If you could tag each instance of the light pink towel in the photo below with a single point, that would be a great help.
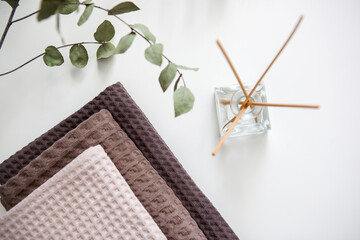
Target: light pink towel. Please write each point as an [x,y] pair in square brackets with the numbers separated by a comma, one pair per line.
[87,199]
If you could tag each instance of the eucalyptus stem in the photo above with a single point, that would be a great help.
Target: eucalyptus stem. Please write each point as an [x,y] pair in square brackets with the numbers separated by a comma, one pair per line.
[9,23]
[29,15]
[133,30]
[40,55]
[75,3]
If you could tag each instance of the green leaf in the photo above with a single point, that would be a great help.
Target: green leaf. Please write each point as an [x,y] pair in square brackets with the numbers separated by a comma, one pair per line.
[154,54]
[78,56]
[104,32]
[105,50]
[86,14]
[183,101]
[53,57]
[67,8]
[167,75]
[12,3]
[125,42]
[145,30]
[187,68]
[177,82]
[123,7]
[87,1]
[48,8]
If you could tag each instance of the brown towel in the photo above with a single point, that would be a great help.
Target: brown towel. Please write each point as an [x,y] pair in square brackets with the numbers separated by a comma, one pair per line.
[157,198]
[133,121]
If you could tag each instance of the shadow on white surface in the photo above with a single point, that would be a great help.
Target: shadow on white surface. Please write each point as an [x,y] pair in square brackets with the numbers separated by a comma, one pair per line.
[77,74]
[251,152]
[105,67]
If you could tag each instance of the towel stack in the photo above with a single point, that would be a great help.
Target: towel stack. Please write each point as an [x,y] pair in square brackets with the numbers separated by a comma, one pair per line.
[104,173]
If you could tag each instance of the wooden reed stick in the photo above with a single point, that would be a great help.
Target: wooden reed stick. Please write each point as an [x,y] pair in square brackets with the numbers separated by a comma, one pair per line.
[281,105]
[232,67]
[225,102]
[277,55]
[253,90]
[228,131]
[234,71]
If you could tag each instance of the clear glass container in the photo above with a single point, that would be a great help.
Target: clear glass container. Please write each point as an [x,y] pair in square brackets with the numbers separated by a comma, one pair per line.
[255,120]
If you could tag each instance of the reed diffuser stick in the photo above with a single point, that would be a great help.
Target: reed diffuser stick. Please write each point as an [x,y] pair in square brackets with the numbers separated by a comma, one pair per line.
[281,105]
[225,102]
[234,71]
[253,90]
[232,67]
[228,131]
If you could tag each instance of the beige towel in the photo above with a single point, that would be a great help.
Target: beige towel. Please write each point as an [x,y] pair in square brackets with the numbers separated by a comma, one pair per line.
[87,199]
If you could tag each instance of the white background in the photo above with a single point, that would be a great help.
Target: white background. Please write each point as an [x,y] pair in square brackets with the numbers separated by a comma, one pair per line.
[299,181]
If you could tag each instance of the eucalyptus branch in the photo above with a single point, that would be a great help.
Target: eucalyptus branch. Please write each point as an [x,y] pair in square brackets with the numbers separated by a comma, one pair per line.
[9,23]
[141,35]
[95,6]
[133,30]
[183,97]
[29,15]
[42,54]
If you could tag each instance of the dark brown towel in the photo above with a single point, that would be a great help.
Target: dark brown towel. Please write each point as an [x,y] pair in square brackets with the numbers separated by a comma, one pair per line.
[157,198]
[133,121]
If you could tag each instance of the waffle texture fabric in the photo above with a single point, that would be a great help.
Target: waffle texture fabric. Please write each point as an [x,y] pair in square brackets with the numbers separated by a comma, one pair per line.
[152,191]
[88,199]
[133,121]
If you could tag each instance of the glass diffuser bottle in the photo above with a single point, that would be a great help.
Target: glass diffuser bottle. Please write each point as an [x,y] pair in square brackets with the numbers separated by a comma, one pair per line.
[228,100]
